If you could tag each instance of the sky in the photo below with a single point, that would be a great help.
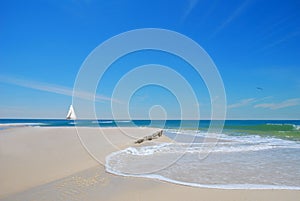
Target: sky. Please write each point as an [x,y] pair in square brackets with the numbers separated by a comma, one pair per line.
[255,45]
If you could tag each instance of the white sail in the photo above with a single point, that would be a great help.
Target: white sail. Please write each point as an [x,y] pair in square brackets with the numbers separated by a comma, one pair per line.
[71,114]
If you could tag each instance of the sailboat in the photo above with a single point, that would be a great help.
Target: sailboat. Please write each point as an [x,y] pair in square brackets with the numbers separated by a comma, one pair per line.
[71,114]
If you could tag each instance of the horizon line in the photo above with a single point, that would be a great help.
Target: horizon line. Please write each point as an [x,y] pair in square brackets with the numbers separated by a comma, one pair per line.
[86,119]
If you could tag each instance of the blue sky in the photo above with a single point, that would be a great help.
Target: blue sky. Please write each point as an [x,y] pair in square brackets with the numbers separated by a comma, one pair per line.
[254,44]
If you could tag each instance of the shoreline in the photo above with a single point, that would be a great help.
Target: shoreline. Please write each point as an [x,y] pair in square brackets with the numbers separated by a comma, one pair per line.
[50,162]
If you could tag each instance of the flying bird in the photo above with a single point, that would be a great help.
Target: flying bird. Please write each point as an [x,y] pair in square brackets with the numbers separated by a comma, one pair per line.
[259,88]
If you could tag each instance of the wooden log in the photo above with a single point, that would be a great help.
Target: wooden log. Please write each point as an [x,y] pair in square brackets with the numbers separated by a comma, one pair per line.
[150,137]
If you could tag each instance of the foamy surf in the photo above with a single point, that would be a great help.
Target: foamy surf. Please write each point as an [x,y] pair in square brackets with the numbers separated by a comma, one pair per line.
[215,186]
[20,124]
[238,162]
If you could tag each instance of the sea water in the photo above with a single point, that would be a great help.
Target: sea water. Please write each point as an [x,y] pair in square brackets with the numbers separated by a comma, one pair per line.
[241,162]
[246,155]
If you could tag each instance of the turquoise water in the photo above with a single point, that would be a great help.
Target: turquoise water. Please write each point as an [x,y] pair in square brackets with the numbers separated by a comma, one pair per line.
[230,160]
[258,154]
[246,125]
[286,129]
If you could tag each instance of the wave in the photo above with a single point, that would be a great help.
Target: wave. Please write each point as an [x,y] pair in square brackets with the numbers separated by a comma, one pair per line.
[21,124]
[283,131]
[105,122]
[255,137]
[213,186]
[288,127]
[151,161]
[265,127]
[220,147]
[176,162]
[140,156]
[297,127]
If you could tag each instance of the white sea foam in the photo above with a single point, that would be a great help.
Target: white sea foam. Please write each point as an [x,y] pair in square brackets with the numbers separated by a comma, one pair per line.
[21,124]
[222,147]
[128,162]
[242,139]
[105,122]
[102,122]
[296,127]
[213,186]
[274,124]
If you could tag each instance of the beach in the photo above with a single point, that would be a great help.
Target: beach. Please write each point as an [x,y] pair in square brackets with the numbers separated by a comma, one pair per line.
[52,163]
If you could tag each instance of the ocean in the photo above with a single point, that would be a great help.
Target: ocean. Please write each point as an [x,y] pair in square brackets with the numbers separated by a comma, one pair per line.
[247,154]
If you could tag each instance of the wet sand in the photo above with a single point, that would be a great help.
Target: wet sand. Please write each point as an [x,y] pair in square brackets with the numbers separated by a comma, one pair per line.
[46,163]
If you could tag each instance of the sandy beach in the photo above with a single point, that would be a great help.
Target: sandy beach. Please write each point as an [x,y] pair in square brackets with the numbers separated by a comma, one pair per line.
[50,163]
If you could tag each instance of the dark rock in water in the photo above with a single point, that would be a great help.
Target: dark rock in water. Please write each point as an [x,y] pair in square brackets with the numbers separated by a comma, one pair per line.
[150,137]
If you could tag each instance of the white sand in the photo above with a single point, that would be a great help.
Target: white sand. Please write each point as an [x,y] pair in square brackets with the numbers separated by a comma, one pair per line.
[51,164]
[31,156]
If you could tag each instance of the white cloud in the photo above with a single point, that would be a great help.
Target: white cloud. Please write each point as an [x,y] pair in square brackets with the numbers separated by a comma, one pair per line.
[55,89]
[241,103]
[283,104]
[234,15]
[191,5]
[282,40]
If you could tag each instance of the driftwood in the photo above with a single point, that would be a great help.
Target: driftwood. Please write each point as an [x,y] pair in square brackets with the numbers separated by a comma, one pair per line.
[150,137]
